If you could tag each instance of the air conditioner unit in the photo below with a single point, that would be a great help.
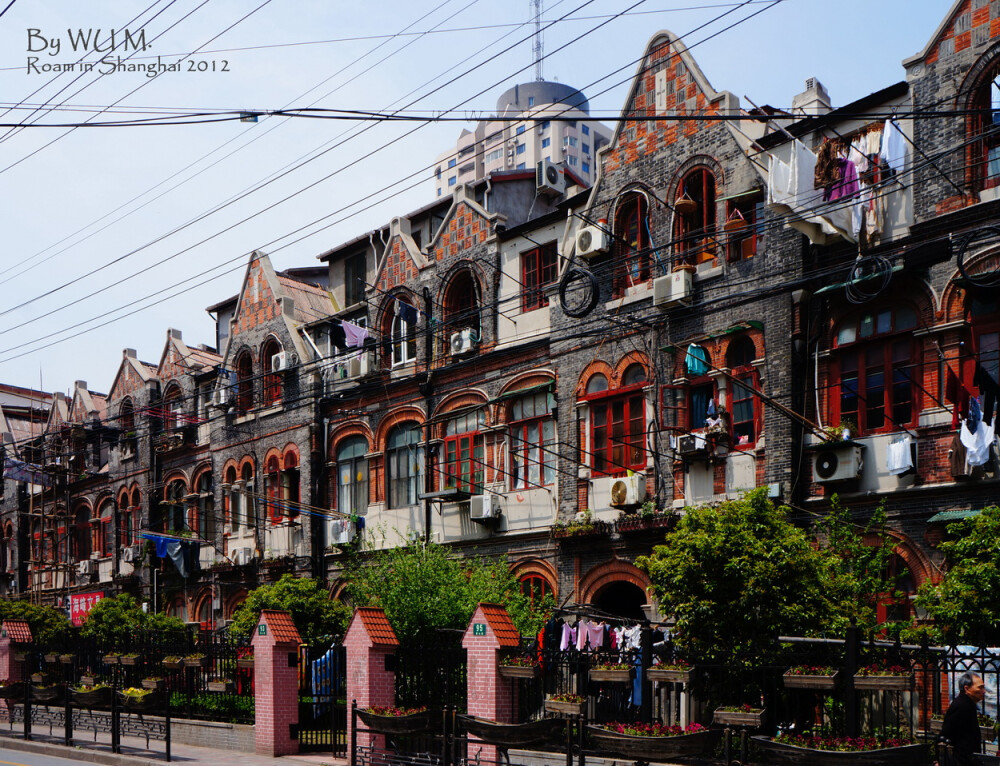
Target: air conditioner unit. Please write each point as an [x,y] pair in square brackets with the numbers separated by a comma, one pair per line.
[357,366]
[675,289]
[549,178]
[512,142]
[279,361]
[837,462]
[484,507]
[242,556]
[691,445]
[462,342]
[629,490]
[220,397]
[591,241]
[130,553]
[85,567]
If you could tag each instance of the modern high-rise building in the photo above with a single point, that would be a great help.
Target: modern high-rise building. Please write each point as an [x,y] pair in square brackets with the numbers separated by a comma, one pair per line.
[534,121]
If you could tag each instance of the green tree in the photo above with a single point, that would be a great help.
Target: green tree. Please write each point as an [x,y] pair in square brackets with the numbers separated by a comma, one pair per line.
[426,587]
[317,617]
[736,576]
[113,622]
[49,627]
[964,603]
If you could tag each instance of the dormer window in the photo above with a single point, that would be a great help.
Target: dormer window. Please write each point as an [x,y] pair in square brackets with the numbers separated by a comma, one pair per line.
[694,221]
[631,243]
[984,131]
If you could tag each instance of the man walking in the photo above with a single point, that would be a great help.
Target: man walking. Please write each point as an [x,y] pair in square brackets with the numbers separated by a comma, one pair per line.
[961,722]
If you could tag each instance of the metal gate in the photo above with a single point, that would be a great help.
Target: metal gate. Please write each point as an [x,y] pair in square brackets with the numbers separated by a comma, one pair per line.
[322,701]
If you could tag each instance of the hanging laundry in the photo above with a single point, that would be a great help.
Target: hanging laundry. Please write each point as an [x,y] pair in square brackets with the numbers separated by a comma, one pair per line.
[696,360]
[582,634]
[977,443]
[595,635]
[791,192]
[568,637]
[893,146]
[827,170]
[957,394]
[975,416]
[847,186]
[899,457]
[711,408]
[406,312]
[988,387]
[355,335]
[337,336]
[956,458]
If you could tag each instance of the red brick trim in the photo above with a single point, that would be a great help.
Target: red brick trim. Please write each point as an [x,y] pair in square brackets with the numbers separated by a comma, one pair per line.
[347,430]
[233,601]
[175,475]
[538,568]
[632,357]
[395,417]
[602,575]
[596,366]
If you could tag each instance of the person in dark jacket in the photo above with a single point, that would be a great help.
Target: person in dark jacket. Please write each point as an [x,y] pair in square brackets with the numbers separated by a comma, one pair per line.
[961,722]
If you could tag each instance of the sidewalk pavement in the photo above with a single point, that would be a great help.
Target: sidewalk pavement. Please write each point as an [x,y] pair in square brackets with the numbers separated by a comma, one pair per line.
[134,752]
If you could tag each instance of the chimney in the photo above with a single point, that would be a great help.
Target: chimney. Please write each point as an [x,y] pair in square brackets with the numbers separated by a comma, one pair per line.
[813,101]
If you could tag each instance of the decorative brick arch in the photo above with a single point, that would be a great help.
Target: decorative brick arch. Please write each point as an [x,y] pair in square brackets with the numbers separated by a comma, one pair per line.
[632,357]
[394,418]
[592,369]
[348,430]
[602,575]
[196,474]
[248,460]
[468,398]
[539,568]
[273,453]
[917,561]
[290,456]
[231,463]
[465,265]
[525,380]
[175,475]
[233,601]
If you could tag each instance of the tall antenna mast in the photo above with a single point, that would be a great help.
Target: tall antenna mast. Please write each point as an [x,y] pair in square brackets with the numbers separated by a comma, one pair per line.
[536,46]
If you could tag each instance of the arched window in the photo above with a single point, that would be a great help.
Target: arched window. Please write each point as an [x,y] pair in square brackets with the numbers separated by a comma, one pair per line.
[126,422]
[104,539]
[631,250]
[172,513]
[81,534]
[8,548]
[532,441]
[744,404]
[464,452]
[617,426]
[272,488]
[984,313]
[173,408]
[461,312]
[399,327]
[352,475]
[203,613]
[536,588]
[206,506]
[126,519]
[874,371]
[290,483]
[404,465]
[244,382]
[984,149]
[177,609]
[247,500]
[694,221]
[701,390]
[271,380]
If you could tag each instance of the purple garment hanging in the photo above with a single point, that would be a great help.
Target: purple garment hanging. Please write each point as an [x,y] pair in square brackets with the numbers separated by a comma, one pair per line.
[847,186]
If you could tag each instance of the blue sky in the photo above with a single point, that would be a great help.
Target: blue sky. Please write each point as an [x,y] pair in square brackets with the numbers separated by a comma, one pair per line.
[76,200]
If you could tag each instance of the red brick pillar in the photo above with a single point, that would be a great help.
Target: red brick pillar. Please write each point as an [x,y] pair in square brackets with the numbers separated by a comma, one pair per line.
[489,696]
[15,636]
[276,685]
[369,640]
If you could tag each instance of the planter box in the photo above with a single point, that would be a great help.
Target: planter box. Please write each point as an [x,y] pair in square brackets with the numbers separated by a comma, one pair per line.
[519,671]
[46,693]
[670,676]
[514,734]
[173,664]
[986,732]
[653,748]
[883,683]
[396,724]
[96,698]
[738,717]
[195,662]
[792,755]
[39,678]
[621,676]
[152,701]
[51,658]
[88,680]
[11,691]
[565,708]
[809,682]
[66,659]
[129,660]
[20,656]
[154,683]
[111,659]
[246,663]
[226,687]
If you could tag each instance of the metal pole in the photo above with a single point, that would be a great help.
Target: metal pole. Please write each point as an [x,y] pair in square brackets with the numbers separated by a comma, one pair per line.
[353,731]
[646,661]
[27,708]
[166,725]
[850,667]
[67,718]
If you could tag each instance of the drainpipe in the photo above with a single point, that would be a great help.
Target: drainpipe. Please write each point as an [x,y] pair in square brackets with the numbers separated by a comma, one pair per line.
[427,389]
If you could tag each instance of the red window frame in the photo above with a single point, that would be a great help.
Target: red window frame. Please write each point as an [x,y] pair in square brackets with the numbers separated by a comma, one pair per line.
[539,268]
[126,532]
[883,391]
[529,434]
[741,243]
[745,387]
[618,442]
[244,382]
[982,132]
[271,393]
[535,588]
[464,461]
[272,489]
[631,243]
[695,232]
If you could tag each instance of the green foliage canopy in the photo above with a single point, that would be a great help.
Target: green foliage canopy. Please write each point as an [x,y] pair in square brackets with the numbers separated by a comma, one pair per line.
[317,617]
[113,622]
[964,603]
[49,627]
[424,587]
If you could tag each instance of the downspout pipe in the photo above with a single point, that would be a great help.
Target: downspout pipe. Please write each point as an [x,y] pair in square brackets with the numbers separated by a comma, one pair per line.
[427,389]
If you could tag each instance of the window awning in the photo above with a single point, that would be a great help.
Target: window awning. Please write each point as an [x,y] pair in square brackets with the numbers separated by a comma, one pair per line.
[945,516]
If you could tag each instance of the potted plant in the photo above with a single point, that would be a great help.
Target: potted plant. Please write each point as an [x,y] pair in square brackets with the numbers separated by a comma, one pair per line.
[11,689]
[519,666]
[46,692]
[738,715]
[395,720]
[111,659]
[611,671]
[88,680]
[66,659]
[223,685]
[513,734]
[827,750]
[51,658]
[675,672]
[173,663]
[20,655]
[841,432]
[153,683]
[878,677]
[140,699]
[810,677]
[987,726]
[129,659]
[652,741]
[39,678]
[566,704]
[195,660]
[583,525]
[90,695]
[245,660]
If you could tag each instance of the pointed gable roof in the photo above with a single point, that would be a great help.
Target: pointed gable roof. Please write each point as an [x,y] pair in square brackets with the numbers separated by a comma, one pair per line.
[465,225]
[376,625]
[179,359]
[966,24]
[132,375]
[58,412]
[500,623]
[401,260]
[87,405]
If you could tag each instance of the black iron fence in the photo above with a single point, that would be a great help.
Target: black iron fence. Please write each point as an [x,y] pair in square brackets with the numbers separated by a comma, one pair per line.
[322,699]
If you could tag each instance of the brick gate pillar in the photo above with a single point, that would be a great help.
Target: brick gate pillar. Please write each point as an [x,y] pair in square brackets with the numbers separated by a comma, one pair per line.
[276,683]
[371,678]
[15,636]
[490,696]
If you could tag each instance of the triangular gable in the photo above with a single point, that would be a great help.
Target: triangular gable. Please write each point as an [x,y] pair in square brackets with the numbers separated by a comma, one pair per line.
[465,225]
[132,376]
[179,359]
[4,427]
[258,304]
[667,81]
[966,24]
[87,406]
[401,260]
[58,413]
